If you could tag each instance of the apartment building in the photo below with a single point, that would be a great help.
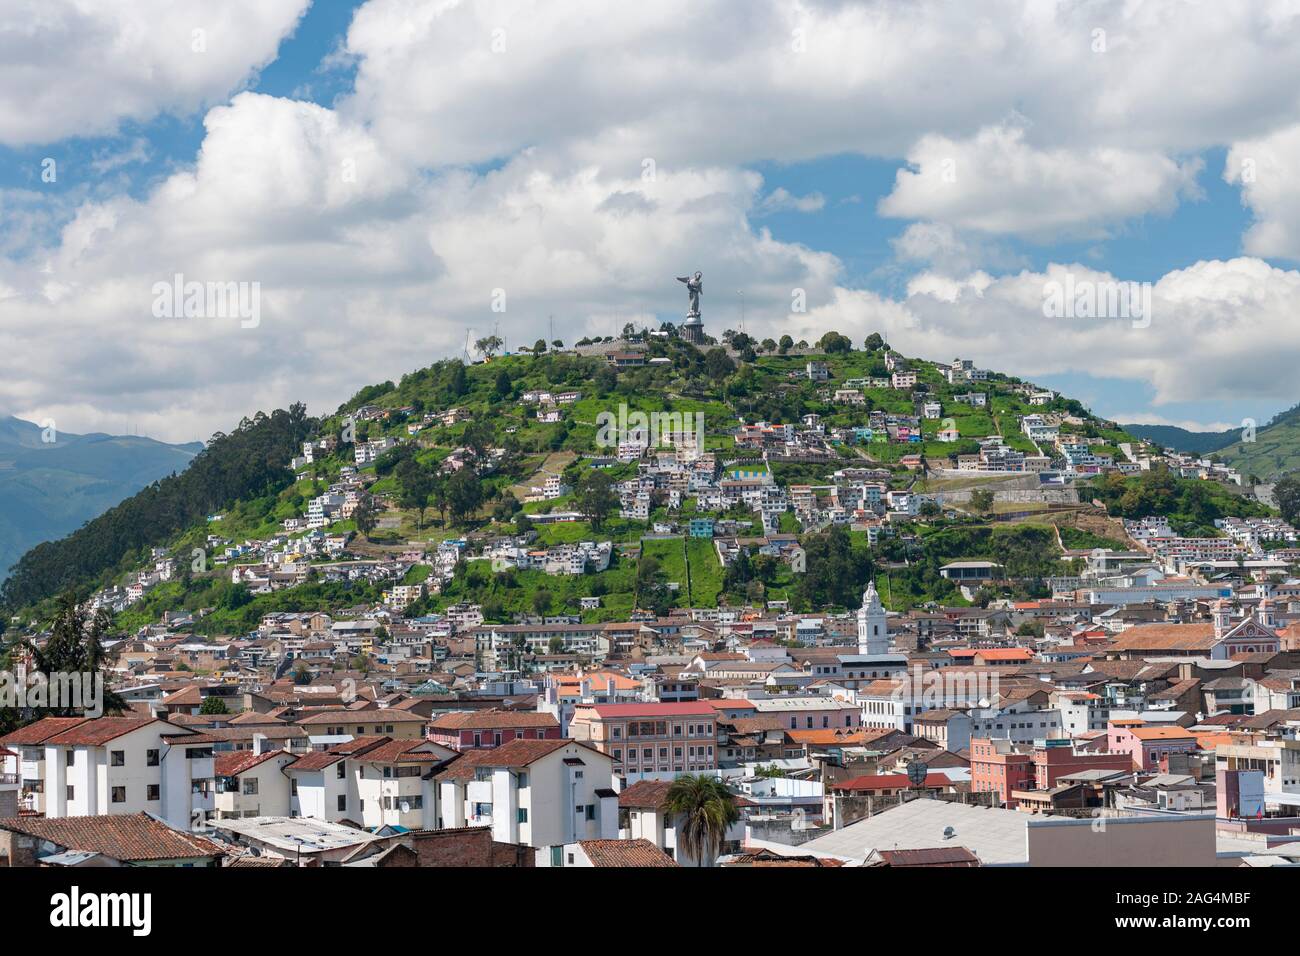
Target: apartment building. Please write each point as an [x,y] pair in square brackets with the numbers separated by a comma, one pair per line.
[371,781]
[535,792]
[252,784]
[83,767]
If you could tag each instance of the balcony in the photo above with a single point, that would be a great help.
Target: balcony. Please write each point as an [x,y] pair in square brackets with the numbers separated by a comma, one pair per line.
[9,779]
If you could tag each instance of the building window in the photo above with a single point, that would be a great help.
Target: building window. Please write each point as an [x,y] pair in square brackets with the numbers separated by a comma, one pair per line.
[117,758]
[71,793]
[557,856]
[119,795]
[250,787]
[343,803]
[521,815]
[341,770]
[153,792]
[523,779]
[151,758]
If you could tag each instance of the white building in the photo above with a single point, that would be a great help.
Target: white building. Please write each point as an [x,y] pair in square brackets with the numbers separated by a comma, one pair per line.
[536,792]
[83,767]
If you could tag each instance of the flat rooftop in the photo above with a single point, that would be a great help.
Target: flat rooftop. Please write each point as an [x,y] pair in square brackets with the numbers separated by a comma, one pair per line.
[292,834]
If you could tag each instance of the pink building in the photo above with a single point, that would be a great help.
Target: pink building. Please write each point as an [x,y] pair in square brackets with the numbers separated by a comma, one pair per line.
[1147,746]
[651,737]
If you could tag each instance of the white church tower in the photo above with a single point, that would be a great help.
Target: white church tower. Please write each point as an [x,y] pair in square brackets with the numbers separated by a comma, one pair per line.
[873,631]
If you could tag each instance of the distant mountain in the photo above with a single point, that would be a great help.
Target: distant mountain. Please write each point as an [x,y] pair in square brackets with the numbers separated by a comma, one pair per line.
[1275,450]
[1180,439]
[48,489]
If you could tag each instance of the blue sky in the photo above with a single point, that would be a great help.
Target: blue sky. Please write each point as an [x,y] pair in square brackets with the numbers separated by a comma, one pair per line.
[1141,199]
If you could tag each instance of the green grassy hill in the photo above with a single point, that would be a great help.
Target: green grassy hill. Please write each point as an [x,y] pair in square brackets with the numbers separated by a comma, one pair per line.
[243,478]
[1275,450]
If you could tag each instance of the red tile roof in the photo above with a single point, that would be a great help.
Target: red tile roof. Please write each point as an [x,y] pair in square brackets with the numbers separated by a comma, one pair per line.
[371,715]
[233,763]
[101,730]
[934,856]
[644,794]
[491,720]
[134,837]
[41,731]
[729,703]
[625,853]
[404,751]
[513,753]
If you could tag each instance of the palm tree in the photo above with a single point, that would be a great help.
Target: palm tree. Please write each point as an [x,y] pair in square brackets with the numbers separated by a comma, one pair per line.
[703,810]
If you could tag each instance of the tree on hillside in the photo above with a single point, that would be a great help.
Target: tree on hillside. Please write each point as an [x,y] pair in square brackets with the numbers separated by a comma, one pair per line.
[785,345]
[981,499]
[718,364]
[366,516]
[464,495]
[489,345]
[651,592]
[1287,494]
[875,342]
[506,507]
[833,342]
[834,574]
[479,438]
[595,497]
[416,485]
[457,381]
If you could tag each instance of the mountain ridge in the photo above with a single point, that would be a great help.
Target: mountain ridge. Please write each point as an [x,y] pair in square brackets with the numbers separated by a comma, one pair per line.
[50,488]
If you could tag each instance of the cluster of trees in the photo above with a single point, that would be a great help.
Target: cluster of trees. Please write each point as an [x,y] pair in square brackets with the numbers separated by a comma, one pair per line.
[75,646]
[247,463]
[751,576]
[1191,505]
[835,573]
[652,590]
[1024,550]
[1287,494]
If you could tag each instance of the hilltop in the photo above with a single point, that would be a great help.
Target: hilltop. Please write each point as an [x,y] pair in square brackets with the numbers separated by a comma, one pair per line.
[449,483]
